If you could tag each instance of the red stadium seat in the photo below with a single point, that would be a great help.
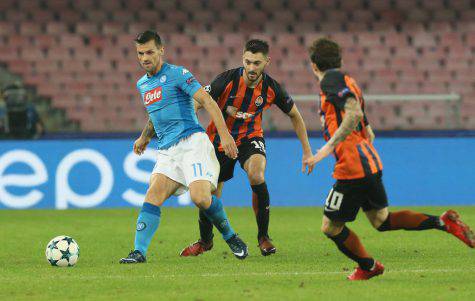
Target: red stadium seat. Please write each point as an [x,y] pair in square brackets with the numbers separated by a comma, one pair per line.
[16,16]
[111,5]
[96,15]
[312,15]
[85,5]
[7,28]
[20,41]
[234,41]
[8,53]
[56,28]
[30,28]
[6,4]
[86,28]
[71,16]
[123,16]
[42,16]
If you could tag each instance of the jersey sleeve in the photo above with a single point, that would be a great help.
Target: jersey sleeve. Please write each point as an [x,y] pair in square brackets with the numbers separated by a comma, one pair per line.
[219,84]
[335,89]
[187,82]
[282,99]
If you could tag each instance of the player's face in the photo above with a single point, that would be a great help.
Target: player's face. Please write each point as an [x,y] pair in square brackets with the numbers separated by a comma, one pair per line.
[315,70]
[254,64]
[149,55]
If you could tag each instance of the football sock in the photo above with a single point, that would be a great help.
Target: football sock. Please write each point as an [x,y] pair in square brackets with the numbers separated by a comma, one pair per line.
[349,244]
[260,204]
[218,217]
[147,224]
[206,228]
[410,220]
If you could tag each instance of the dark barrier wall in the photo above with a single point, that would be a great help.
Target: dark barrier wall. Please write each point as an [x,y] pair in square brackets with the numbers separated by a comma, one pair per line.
[105,173]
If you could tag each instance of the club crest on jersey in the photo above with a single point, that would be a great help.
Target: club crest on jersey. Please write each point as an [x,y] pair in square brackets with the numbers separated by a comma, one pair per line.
[343,92]
[185,71]
[163,78]
[259,100]
[152,96]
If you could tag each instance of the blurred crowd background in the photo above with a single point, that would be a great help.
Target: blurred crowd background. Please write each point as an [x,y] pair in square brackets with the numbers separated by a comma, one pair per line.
[71,66]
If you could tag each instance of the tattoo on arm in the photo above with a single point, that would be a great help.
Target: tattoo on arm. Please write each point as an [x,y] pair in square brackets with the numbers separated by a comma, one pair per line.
[353,115]
[148,131]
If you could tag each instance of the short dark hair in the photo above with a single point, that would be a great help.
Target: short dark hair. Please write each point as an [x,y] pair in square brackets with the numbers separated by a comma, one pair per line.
[325,53]
[148,35]
[256,45]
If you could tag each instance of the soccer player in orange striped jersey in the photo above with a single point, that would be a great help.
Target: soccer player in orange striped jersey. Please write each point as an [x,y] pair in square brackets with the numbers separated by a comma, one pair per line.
[358,169]
[242,95]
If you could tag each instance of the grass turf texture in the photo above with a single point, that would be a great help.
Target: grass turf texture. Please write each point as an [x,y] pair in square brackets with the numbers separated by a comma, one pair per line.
[424,265]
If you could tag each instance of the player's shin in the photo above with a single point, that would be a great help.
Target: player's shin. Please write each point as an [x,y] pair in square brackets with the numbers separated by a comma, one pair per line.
[206,227]
[260,203]
[218,217]
[350,245]
[147,223]
[410,220]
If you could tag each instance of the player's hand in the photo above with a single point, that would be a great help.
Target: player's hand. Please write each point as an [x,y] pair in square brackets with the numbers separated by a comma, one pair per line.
[140,145]
[229,145]
[320,155]
[305,157]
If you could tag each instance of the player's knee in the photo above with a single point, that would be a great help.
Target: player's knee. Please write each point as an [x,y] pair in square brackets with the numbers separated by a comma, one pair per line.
[200,198]
[330,229]
[155,197]
[382,224]
[256,177]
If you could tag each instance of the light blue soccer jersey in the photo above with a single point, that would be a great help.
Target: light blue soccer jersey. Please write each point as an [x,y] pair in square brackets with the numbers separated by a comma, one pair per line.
[167,96]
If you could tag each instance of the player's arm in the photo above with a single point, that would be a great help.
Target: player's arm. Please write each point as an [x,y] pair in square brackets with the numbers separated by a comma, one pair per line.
[227,141]
[147,133]
[197,105]
[286,104]
[370,133]
[352,117]
[301,131]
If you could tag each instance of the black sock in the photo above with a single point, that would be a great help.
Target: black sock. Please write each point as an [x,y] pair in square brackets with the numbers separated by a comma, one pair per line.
[349,244]
[260,203]
[206,228]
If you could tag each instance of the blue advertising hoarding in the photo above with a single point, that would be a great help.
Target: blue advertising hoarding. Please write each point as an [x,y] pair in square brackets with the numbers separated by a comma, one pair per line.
[87,173]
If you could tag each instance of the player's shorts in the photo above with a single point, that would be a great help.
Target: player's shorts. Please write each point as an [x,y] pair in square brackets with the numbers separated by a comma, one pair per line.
[347,197]
[189,160]
[249,147]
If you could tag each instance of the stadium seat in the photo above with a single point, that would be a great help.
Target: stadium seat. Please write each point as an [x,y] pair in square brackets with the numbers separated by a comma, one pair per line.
[397,46]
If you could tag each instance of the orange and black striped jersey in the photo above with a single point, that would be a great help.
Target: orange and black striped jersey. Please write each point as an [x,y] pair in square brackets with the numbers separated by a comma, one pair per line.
[356,157]
[242,106]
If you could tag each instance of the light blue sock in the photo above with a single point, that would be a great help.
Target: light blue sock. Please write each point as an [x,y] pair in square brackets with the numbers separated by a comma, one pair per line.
[218,216]
[147,224]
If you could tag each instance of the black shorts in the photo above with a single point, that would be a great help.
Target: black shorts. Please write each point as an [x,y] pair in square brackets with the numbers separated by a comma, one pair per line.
[247,148]
[347,197]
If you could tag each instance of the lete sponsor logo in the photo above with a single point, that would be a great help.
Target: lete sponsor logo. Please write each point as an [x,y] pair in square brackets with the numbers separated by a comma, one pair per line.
[152,96]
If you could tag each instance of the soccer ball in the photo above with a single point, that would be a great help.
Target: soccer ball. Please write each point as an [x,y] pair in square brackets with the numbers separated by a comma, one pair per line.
[62,251]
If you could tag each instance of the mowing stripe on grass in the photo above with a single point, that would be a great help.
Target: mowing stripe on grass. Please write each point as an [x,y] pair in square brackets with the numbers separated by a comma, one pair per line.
[69,276]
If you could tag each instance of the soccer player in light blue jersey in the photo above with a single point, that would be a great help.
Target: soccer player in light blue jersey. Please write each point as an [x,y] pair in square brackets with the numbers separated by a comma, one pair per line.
[186,158]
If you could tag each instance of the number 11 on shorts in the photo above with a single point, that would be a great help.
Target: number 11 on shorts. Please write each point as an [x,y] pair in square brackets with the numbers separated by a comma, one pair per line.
[197,168]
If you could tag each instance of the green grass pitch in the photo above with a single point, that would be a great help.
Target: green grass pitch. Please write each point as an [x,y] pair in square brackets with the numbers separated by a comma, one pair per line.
[425,265]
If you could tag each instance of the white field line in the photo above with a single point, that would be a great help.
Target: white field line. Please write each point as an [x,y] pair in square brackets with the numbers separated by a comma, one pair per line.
[246,274]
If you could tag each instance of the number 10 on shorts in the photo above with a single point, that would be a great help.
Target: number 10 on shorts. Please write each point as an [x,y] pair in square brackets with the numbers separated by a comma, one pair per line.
[333,201]
[198,171]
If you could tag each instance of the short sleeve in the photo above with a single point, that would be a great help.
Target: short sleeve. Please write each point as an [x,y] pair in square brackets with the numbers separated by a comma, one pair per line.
[219,84]
[187,82]
[282,99]
[335,89]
